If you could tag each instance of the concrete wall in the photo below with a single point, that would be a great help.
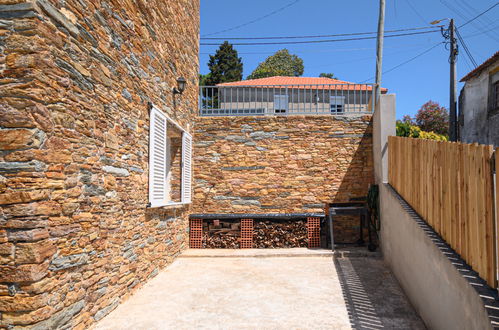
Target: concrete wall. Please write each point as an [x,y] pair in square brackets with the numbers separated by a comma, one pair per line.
[76,236]
[427,270]
[383,127]
[479,119]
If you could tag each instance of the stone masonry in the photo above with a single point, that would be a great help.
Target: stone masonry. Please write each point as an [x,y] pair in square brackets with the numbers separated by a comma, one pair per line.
[282,164]
[76,77]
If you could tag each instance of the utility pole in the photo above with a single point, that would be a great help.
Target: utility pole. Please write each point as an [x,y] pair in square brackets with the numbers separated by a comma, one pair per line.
[453,84]
[379,50]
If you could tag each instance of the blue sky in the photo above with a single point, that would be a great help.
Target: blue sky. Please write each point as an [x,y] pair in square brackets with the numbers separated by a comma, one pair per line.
[425,78]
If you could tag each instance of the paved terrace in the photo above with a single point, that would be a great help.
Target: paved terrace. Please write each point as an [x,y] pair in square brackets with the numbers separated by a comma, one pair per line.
[268,289]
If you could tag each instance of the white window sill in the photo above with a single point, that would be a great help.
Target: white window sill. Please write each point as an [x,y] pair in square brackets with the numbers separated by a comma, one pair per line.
[170,205]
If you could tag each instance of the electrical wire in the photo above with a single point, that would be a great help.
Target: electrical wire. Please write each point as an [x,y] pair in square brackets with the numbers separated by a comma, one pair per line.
[478,24]
[482,32]
[415,11]
[317,41]
[323,35]
[407,61]
[255,20]
[474,18]
[466,48]
[335,50]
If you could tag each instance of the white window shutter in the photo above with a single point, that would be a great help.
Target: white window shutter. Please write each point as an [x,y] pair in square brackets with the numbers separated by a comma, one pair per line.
[157,158]
[186,167]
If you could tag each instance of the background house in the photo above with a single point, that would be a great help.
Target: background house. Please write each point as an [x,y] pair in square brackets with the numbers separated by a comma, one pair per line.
[287,95]
[479,104]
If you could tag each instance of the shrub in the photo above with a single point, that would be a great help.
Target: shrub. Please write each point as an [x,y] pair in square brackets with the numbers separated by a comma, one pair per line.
[405,129]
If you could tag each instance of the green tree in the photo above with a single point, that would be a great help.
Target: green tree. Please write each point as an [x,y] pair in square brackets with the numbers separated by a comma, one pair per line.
[433,118]
[225,66]
[327,75]
[282,63]
[203,78]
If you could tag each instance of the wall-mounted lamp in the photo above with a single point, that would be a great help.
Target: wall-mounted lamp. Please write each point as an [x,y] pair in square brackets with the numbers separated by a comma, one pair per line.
[181,82]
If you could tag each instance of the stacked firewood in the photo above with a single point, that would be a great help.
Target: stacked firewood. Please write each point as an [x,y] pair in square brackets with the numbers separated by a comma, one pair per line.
[273,234]
[221,235]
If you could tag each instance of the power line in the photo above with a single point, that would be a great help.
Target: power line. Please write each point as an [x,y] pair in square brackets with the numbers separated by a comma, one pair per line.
[316,41]
[474,18]
[405,62]
[335,50]
[323,35]
[482,32]
[486,21]
[255,20]
[415,11]
[466,48]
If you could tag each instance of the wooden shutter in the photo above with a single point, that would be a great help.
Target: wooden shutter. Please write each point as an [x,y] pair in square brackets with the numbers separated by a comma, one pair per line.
[157,158]
[186,167]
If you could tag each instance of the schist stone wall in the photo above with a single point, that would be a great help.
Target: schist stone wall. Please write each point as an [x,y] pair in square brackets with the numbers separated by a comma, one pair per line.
[282,164]
[76,77]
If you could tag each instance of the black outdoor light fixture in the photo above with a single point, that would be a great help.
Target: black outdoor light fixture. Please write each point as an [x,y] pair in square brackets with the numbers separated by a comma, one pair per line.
[181,82]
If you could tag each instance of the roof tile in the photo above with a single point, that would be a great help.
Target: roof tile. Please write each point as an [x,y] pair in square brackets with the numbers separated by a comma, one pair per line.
[281,81]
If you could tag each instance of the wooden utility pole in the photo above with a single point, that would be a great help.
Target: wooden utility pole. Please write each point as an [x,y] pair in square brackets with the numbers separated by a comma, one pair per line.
[453,84]
[379,49]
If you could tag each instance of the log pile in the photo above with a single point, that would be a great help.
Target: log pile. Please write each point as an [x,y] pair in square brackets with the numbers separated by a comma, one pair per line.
[273,234]
[221,234]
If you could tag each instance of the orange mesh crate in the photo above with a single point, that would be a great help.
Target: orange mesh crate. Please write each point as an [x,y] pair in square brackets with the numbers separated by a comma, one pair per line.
[246,234]
[196,233]
[314,232]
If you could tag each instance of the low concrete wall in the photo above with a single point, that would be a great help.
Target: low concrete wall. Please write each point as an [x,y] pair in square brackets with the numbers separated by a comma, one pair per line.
[442,288]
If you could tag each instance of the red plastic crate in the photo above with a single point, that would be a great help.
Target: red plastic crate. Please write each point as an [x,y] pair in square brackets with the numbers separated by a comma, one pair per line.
[196,233]
[314,232]
[246,234]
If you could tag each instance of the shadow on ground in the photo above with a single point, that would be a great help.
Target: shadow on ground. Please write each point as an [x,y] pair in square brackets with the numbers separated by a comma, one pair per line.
[373,298]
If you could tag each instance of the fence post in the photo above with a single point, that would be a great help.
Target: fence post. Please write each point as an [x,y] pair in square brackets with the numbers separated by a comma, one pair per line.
[383,127]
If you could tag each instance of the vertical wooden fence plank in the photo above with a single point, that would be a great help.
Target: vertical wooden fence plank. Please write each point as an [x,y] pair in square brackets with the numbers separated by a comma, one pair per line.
[490,237]
[451,186]
[496,223]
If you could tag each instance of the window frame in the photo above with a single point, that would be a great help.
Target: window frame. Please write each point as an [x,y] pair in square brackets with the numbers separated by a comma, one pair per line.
[495,95]
[286,108]
[336,104]
[186,138]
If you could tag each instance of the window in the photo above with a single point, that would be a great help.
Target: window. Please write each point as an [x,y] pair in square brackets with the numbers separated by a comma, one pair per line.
[280,103]
[337,104]
[495,100]
[170,150]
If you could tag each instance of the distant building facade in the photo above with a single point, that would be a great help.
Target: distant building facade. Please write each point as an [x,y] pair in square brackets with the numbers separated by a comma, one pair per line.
[287,96]
[479,104]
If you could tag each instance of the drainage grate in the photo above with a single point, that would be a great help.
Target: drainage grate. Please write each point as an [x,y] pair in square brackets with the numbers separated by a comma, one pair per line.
[314,232]
[246,234]
[196,234]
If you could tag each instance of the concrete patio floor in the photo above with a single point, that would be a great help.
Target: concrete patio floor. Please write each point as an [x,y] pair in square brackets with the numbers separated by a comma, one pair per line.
[273,290]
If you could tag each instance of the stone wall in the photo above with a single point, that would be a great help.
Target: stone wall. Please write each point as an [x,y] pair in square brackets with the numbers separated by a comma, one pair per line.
[282,164]
[76,77]
[479,118]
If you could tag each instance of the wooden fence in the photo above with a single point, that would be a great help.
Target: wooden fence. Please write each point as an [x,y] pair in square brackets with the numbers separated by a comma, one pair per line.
[451,186]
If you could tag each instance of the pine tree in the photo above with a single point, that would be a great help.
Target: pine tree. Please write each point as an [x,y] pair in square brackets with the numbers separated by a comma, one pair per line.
[225,66]
[282,63]
[327,75]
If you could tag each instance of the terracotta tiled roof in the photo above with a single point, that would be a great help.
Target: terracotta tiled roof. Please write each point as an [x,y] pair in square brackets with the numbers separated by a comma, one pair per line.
[481,67]
[280,81]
